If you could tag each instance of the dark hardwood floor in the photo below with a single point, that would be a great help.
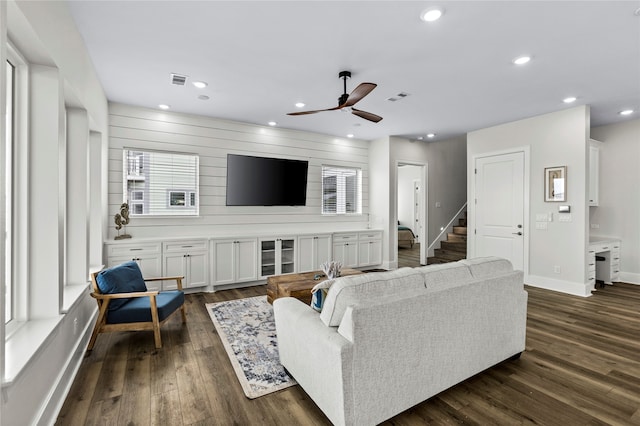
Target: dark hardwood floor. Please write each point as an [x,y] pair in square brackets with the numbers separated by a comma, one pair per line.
[581,367]
[409,256]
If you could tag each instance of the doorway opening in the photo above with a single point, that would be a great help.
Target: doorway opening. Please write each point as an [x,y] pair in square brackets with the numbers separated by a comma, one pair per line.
[411,214]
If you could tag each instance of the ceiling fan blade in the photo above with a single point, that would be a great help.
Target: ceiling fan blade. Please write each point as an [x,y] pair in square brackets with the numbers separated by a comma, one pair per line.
[358,93]
[314,111]
[366,115]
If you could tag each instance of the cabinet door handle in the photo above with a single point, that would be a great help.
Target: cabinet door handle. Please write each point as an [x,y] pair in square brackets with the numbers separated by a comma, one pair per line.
[136,249]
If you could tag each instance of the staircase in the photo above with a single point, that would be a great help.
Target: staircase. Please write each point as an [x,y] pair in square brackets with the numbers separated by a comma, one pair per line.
[455,248]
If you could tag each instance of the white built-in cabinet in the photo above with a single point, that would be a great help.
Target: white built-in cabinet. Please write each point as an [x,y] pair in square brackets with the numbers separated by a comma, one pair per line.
[594,172]
[358,249]
[345,249]
[313,251]
[277,256]
[234,260]
[188,258]
[369,248]
[211,262]
[148,256]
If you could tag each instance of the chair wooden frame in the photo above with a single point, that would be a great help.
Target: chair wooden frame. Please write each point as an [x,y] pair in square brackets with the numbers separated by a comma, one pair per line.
[103,300]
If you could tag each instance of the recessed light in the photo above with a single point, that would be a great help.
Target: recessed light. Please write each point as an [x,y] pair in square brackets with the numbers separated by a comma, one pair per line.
[350,135]
[521,60]
[431,135]
[272,123]
[626,112]
[200,84]
[299,104]
[420,138]
[569,99]
[164,106]
[203,97]
[431,14]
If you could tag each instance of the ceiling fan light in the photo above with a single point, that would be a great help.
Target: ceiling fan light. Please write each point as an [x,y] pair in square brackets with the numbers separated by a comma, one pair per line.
[431,14]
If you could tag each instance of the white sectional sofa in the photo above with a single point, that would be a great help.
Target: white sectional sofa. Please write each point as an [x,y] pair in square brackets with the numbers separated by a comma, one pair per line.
[387,341]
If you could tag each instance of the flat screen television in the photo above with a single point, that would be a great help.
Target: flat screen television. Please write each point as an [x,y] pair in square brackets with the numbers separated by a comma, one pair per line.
[261,181]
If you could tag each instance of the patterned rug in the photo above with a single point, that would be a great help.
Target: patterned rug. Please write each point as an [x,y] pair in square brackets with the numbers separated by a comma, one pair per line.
[248,332]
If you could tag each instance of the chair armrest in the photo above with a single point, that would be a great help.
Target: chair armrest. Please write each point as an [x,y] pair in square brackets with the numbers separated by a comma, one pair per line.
[178,280]
[124,295]
[163,278]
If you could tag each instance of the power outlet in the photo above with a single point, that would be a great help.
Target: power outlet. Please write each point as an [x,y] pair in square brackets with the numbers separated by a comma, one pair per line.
[556,269]
[595,226]
[75,326]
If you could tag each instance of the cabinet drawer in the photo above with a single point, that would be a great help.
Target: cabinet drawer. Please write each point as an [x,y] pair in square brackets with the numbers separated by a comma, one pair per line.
[182,246]
[133,249]
[373,235]
[338,238]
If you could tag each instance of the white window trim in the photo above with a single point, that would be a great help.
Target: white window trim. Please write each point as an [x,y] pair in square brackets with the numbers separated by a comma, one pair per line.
[20,194]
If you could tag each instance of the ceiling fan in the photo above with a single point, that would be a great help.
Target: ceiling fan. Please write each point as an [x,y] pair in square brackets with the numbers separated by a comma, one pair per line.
[348,100]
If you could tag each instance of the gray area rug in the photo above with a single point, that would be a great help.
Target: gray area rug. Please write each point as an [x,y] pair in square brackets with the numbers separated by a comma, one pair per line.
[248,332]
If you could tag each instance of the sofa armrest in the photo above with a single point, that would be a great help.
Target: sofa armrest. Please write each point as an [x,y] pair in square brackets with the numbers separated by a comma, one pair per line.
[317,356]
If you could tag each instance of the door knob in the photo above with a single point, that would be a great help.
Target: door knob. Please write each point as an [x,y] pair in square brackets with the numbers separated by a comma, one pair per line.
[517,233]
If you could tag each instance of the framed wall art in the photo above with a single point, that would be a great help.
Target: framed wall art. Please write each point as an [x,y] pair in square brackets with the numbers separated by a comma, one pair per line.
[555,183]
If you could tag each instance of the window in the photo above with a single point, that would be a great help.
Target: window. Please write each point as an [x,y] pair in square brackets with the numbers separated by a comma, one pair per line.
[160,183]
[7,279]
[341,190]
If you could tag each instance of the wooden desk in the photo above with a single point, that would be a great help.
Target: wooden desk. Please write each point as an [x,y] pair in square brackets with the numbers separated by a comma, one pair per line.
[298,285]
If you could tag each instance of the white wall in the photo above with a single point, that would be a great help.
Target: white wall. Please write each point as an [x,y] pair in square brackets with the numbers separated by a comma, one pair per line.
[618,212]
[381,215]
[41,358]
[556,139]
[212,140]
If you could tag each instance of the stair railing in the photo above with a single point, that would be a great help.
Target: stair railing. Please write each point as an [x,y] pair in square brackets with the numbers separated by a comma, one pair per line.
[449,228]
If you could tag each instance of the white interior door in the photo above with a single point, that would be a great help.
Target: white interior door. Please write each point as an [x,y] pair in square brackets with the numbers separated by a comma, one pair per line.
[499,198]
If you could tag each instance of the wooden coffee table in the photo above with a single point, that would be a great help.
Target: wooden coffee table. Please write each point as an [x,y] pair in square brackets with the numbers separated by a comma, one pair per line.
[298,285]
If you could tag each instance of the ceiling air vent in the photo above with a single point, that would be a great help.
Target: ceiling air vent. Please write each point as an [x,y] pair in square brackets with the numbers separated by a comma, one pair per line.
[397,97]
[178,80]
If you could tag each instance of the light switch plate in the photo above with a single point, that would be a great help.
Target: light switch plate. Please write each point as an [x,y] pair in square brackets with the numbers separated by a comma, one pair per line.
[541,226]
[565,217]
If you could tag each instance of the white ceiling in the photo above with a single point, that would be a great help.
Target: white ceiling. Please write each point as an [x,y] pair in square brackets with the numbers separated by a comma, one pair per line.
[261,57]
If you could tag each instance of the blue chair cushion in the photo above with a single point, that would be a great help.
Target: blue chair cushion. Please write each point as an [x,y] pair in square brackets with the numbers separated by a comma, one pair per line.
[123,278]
[138,309]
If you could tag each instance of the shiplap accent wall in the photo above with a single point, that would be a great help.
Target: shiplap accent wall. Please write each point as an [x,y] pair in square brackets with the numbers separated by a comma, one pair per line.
[212,139]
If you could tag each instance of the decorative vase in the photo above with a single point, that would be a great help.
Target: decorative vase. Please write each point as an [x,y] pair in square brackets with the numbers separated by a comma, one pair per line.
[331,269]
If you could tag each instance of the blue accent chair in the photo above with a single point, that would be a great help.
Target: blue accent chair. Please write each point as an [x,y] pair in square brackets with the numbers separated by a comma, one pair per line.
[125,304]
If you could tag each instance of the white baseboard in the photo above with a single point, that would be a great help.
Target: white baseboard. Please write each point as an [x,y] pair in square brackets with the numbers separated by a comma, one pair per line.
[630,277]
[577,289]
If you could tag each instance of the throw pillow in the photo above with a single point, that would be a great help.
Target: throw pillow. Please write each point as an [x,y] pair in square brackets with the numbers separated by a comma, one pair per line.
[123,278]
[319,294]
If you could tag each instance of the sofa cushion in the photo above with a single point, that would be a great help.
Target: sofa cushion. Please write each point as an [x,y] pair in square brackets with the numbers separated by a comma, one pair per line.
[482,267]
[138,309]
[445,275]
[358,289]
[123,278]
